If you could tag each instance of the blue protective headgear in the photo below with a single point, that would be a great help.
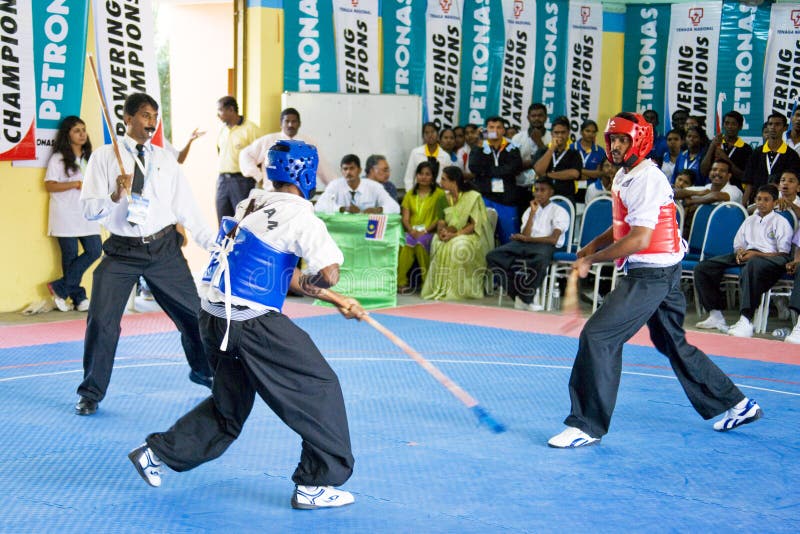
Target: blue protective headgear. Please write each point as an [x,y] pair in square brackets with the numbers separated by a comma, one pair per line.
[294,162]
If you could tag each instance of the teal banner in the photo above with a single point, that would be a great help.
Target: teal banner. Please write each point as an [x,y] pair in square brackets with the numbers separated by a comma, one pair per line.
[403,45]
[743,44]
[309,58]
[482,59]
[550,76]
[646,30]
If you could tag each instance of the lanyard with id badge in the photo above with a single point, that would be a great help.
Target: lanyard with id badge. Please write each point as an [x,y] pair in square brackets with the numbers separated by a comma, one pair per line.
[138,206]
[497,183]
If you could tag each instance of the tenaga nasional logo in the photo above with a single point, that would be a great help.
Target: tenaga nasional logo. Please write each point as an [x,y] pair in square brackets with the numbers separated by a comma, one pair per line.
[696,15]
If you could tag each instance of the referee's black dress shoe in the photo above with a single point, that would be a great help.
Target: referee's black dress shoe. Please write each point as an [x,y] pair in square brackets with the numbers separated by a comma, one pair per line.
[86,406]
[202,380]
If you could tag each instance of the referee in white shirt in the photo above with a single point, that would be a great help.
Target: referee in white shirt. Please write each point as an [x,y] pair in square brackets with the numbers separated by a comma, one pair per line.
[143,242]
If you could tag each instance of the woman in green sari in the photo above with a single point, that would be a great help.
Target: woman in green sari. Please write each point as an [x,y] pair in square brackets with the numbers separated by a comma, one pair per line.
[458,251]
[423,207]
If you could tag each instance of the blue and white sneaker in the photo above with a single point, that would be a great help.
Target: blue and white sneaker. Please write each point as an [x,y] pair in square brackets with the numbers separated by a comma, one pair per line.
[745,412]
[147,464]
[313,497]
[572,438]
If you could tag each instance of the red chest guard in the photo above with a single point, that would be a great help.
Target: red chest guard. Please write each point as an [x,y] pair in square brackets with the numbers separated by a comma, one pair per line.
[665,238]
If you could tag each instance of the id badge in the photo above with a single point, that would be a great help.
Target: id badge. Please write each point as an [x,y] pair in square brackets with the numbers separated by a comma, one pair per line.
[137,209]
[497,185]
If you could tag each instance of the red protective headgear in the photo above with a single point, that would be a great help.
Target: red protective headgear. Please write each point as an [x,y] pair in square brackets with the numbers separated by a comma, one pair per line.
[641,134]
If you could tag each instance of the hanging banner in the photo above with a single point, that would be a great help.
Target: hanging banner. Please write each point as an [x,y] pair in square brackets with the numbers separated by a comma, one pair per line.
[403,44]
[742,44]
[549,80]
[126,59]
[645,58]
[356,24]
[584,60]
[17,84]
[692,60]
[59,50]
[482,60]
[782,60]
[519,61]
[309,56]
[443,62]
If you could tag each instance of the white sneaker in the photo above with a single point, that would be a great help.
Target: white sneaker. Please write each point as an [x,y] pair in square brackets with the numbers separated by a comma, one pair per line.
[520,305]
[62,304]
[742,328]
[794,336]
[147,464]
[745,412]
[572,438]
[83,306]
[713,321]
[313,497]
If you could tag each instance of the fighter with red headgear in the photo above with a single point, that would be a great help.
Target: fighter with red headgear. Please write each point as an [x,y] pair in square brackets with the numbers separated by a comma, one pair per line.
[644,240]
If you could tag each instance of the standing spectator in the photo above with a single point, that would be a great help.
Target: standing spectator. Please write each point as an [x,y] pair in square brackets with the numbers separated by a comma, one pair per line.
[63,180]
[458,131]
[675,139]
[793,134]
[143,242]
[559,163]
[679,118]
[472,140]
[447,140]
[761,249]
[691,157]
[530,142]
[423,207]
[351,194]
[659,140]
[769,160]
[236,133]
[495,166]
[377,169]
[430,151]
[592,155]
[728,146]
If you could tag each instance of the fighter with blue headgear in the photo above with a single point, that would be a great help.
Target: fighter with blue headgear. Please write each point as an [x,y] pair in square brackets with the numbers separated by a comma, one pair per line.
[254,348]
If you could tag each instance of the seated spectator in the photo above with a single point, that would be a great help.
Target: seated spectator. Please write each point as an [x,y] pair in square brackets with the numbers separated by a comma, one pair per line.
[669,157]
[377,170]
[422,209]
[558,163]
[447,140]
[794,299]
[788,187]
[351,194]
[602,187]
[769,160]
[684,179]
[761,249]
[690,158]
[458,250]
[430,151]
[730,147]
[719,190]
[544,225]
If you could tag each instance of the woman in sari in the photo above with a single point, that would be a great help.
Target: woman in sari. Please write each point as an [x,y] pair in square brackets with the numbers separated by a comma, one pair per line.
[422,207]
[458,251]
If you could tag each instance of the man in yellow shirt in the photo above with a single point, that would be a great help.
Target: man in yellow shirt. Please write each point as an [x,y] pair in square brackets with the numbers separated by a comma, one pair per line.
[236,133]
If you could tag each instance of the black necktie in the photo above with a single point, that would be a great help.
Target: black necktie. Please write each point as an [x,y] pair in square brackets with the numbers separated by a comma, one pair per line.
[138,176]
[352,197]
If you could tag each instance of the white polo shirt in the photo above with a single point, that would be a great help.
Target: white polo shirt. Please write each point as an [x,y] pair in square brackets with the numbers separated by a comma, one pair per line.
[368,194]
[547,219]
[772,233]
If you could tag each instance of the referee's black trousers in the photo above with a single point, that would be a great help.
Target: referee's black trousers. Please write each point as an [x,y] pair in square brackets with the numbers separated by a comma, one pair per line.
[272,357]
[649,296]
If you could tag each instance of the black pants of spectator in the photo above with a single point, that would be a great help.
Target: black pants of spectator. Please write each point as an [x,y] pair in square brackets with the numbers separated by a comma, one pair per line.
[506,262]
[271,356]
[232,188]
[757,276]
[649,296]
[162,264]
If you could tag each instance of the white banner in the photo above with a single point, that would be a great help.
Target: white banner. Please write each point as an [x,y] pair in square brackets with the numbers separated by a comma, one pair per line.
[126,59]
[584,62]
[782,61]
[17,82]
[356,23]
[692,59]
[516,82]
[443,61]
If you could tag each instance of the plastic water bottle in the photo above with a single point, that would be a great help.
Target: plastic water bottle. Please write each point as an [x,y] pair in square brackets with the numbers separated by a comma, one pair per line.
[781,333]
[556,297]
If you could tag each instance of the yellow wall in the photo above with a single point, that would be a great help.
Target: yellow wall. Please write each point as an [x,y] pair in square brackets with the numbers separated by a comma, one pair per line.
[611,87]
[264,68]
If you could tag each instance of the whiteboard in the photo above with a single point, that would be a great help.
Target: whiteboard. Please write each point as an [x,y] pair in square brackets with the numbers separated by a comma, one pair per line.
[361,124]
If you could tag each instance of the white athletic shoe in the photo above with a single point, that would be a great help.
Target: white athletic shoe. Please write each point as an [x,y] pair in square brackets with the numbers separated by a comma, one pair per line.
[520,305]
[147,464]
[742,328]
[62,304]
[745,412]
[313,497]
[794,336]
[715,320]
[83,306]
[572,438]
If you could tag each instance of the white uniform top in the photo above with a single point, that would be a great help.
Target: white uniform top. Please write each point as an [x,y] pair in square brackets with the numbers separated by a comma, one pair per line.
[416,157]
[791,144]
[796,238]
[462,158]
[734,193]
[547,219]
[171,199]
[66,218]
[772,233]
[255,154]
[644,190]
[595,190]
[527,148]
[369,194]
[287,223]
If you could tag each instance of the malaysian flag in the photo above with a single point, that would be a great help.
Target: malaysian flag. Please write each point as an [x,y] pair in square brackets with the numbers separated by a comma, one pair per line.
[376,227]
